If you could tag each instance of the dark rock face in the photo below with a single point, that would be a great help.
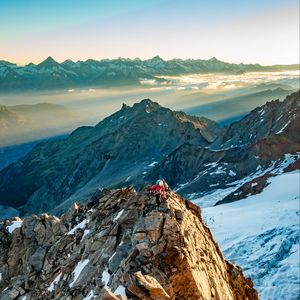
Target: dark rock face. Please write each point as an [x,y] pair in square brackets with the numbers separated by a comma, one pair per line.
[194,169]
[121,246]
[269,119]
[120,147]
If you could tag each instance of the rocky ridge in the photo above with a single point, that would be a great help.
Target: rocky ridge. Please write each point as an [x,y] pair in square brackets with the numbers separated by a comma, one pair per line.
[121,245]
[113,153]
[266,141]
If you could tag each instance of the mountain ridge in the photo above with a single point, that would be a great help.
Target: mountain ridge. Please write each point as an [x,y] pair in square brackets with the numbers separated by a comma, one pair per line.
[121,245]
[122,144]
[49,74]
[193,154]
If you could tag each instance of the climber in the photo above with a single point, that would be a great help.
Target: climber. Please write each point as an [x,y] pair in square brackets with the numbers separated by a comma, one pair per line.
[159,191]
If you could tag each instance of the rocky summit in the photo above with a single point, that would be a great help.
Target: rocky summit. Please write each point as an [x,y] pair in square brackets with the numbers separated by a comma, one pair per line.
[120,245]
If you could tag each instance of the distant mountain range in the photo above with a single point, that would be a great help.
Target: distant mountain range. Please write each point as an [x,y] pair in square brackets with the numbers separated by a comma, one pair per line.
[22,123]
[49,74]
[194,154]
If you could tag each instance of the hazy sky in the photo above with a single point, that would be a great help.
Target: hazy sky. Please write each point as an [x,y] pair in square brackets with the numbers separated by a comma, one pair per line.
[256,31]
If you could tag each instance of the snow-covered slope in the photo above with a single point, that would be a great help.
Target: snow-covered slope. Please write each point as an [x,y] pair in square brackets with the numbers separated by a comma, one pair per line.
[261,233]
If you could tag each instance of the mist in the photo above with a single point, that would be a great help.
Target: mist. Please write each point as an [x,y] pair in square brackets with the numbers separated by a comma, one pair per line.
[220,97]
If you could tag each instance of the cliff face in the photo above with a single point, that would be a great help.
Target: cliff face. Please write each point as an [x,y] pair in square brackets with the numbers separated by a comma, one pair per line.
[122,245]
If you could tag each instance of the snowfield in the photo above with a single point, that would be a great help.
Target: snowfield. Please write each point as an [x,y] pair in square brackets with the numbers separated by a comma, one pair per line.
[261,234]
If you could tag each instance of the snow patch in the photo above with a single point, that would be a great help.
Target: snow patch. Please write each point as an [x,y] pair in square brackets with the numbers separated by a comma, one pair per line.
[281,130]
[105,278]
[153,164]
[112,257]
[118,215]
[89,296]
[54,283]
[211,198]
[120,291]
[14,225]
[232,173]
[80,225]
[86,232]
[78,269]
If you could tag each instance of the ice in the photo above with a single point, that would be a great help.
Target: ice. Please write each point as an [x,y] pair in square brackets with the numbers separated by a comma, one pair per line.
[118,215]
[261,234]
[120,291]
[54,282]
[14,225]
[80,225]
[78,269]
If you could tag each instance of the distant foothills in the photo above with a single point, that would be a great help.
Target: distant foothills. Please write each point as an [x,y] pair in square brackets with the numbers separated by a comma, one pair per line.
[50,74]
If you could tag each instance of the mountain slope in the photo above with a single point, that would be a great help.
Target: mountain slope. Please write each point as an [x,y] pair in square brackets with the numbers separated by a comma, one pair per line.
[271,118]
[120,246]
[119,148]
[22,123]
[261,233]
[252,147]
[50,74]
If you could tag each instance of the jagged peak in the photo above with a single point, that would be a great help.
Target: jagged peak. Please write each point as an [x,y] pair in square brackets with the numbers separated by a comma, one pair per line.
[48,63]
[147,104]
[68,62]
[125,106]
[157,58]
[214,59]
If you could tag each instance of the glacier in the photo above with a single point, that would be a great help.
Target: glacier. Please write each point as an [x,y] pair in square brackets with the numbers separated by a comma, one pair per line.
[261,234]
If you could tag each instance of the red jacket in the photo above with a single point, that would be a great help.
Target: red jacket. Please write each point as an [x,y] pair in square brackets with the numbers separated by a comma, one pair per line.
[158,188]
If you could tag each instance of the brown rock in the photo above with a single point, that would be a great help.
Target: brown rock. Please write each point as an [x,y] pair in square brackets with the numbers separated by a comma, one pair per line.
[152,252]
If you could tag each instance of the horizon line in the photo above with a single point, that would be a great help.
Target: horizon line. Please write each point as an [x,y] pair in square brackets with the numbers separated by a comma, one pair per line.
[138,58]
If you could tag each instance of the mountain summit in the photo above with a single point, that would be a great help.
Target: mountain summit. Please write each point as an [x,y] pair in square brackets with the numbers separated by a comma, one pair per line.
[113,153]
[48,63]
[122,245]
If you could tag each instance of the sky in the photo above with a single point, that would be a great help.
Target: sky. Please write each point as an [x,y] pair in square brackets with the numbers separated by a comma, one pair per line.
[257,31]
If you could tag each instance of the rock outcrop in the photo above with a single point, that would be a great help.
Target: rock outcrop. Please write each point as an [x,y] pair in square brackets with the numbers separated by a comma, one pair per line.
[121,245]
